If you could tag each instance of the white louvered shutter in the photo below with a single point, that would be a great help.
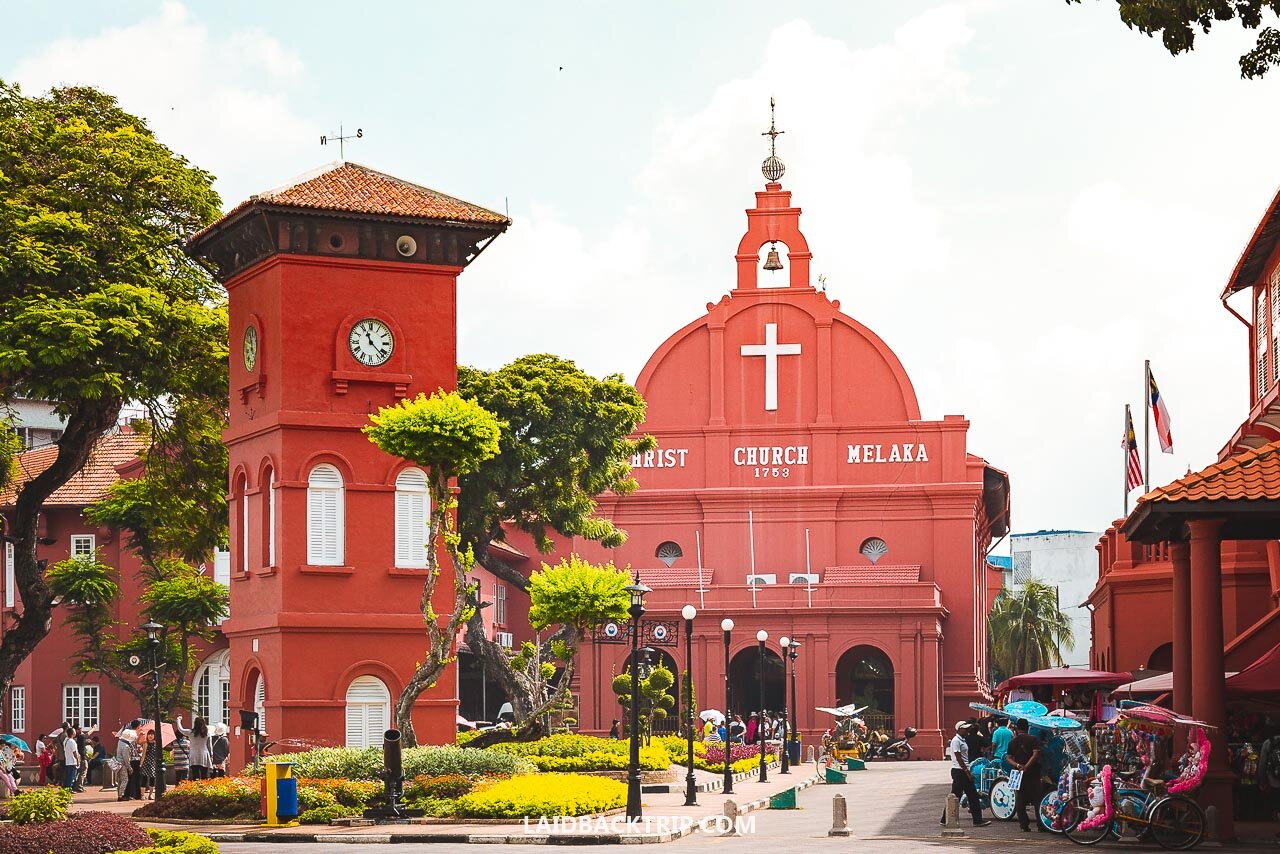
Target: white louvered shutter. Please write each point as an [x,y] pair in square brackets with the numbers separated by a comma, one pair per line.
[260,702]
[324,517]
[271,518]
[1275,326]
[9,579]
[244,526]
[411,518]
[368,712]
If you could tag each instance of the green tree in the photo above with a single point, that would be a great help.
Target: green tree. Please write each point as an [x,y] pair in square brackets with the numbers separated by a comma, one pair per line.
[574,596]
[1027,630]
[569,439]
[1177,21]
[99,305]
[449,436]
[654,692]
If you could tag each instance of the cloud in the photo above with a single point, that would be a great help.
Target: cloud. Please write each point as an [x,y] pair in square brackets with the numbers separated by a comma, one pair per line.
[210,97]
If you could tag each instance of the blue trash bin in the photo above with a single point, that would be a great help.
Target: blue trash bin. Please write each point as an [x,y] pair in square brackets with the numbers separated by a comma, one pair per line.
[794,750]
[287,798]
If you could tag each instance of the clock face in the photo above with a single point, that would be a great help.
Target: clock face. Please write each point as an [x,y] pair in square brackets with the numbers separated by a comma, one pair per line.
[371,342]
[250,347]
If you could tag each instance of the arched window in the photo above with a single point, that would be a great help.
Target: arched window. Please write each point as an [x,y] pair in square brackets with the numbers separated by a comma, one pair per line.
[269,484]
[873,548]
[669,552]
[244,524]
[411,519]
[211,689]
[325,520]
[368,712]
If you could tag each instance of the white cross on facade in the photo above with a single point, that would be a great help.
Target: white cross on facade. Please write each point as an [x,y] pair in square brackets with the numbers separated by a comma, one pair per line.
[771,350]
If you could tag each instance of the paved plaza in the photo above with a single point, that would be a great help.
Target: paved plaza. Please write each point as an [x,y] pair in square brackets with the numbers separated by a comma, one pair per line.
[892,807]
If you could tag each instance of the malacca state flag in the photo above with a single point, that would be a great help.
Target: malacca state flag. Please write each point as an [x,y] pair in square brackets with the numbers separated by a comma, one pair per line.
[1133,462]
[1164,430]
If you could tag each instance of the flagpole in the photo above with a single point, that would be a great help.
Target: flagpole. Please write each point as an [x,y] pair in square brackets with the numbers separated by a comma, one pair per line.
[1124,446]
[1146,426]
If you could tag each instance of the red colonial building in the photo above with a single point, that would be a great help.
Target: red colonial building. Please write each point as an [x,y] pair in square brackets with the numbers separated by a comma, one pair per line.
[342,293]
[1189,582]
[796,488]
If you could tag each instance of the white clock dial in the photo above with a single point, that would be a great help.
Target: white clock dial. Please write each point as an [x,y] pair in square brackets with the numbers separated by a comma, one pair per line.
[250,347]
[371,342]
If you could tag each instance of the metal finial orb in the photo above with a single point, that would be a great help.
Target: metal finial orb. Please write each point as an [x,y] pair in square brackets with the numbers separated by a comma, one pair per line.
[773,168]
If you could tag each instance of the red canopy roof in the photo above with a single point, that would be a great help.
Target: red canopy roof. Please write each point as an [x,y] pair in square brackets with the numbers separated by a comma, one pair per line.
[1261,677]
[1064,676]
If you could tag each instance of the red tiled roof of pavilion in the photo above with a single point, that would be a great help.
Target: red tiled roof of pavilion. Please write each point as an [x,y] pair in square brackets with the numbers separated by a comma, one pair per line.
[900,574]
[87,486]
[1252,474]
[352,188]
[676,576]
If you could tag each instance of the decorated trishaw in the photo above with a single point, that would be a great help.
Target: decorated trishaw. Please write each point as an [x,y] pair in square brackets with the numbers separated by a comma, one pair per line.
[847,739]
[1152,801]
[1063,740]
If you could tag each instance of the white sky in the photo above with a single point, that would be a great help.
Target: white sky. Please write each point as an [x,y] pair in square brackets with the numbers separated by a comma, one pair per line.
[1023,199]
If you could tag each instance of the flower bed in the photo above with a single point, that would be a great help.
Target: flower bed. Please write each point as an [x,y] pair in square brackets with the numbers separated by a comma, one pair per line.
[568,752]
[81,833]
[218,798]
[709,756]
[353,764]
[542,795]
[178,842]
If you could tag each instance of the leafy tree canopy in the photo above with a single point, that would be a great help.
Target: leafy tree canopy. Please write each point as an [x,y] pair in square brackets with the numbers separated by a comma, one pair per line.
[1178,21]
[578,594]
[1027,630]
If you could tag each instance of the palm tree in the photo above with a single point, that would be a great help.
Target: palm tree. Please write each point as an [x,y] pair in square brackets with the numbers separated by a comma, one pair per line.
[1027,630]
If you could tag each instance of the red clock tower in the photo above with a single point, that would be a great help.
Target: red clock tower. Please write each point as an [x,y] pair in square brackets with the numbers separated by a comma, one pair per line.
[342,293]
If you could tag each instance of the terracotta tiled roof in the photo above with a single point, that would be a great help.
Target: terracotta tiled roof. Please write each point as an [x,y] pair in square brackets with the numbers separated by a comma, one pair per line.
[91,483]
[1250,475]
[352,188]
[675,576]
[871,575]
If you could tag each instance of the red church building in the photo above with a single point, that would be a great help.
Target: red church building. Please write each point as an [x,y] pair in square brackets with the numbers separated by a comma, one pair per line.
[796,488]
[342,293]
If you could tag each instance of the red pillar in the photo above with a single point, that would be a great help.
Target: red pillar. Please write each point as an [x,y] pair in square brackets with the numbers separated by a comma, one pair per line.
[1180,553]
[1208,684]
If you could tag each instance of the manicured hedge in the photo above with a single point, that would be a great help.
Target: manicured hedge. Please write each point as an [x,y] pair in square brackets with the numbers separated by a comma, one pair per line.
[543,795]
[82,833]
[178,842]
[568,752]
[220,797]
[366,764]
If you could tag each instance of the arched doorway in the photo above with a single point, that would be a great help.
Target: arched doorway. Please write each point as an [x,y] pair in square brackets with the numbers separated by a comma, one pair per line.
[211,689]
[744,681]
[368,712]
[1161,659]
[864,676]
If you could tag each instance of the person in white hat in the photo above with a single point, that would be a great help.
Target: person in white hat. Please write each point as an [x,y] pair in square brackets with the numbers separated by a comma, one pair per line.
[961,776]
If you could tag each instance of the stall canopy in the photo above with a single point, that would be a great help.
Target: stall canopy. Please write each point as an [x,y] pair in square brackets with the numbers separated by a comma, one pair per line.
[1262,678]
[1065,677]
[1161,683]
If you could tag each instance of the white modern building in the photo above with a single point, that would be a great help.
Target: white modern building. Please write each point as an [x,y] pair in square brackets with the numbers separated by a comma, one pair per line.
[1067,560]
[35,421]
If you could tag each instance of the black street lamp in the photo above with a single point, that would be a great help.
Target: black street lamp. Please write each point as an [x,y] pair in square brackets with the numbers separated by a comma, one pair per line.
[761,637]
[792,652]
[153,630]
[785,642]
[637,591]
[726,626]
[690,783]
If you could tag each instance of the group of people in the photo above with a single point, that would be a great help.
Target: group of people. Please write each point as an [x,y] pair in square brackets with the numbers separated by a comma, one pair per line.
[1011,745]
[67,756]
[198,753]
[757,728]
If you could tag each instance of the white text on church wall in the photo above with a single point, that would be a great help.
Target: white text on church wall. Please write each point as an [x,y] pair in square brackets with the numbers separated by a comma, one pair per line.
[660,458]
[908,452]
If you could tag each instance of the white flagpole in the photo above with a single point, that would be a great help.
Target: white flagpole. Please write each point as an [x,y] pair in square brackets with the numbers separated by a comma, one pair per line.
[808,568]
[1146,426]
[702,592]
[1125,447]
[751,535]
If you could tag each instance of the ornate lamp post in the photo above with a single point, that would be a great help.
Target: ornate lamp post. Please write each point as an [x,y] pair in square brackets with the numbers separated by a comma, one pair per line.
[153,630]
[637,591]
[785,642]
[690,784]
[792,651]
[726,626]
[761,637]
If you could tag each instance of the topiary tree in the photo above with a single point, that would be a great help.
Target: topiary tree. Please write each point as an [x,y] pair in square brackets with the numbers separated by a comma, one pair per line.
[449,436]
[654,693]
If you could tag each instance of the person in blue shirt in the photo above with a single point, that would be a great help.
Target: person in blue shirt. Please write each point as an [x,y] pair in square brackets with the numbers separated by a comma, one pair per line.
[1000,742]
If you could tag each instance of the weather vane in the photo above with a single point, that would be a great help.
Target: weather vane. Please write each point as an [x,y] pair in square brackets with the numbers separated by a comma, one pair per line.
[326,138]
[773,167]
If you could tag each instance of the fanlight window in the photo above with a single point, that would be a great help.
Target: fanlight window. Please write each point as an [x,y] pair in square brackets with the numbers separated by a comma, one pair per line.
[669,553]
[873,549]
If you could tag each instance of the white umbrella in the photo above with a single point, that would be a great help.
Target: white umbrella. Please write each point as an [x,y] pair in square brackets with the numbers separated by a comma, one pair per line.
[712,715]
[843,711]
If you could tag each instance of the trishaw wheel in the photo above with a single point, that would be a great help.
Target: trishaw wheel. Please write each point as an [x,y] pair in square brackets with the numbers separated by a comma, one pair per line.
[1050,807]
[1003,800]
[1177,823]
[1076,811]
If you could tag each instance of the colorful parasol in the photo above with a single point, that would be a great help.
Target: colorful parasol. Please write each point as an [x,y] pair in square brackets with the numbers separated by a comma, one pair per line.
[843,711]
[1026,709]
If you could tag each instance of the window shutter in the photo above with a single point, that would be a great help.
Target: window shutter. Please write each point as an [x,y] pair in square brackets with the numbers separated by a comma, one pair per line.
[324,517]
[9,579]
[355,724]
[368,712]
[411,518]
[260,703]
[271,518]
[244,526]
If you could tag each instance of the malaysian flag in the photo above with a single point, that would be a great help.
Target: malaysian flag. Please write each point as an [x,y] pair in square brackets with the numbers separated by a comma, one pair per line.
[1164,430]
[1133,462]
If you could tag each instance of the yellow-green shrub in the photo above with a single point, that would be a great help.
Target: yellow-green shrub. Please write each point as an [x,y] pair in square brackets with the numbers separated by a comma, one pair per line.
[543,795]
[47,803]
[571,752]
[177,842]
